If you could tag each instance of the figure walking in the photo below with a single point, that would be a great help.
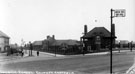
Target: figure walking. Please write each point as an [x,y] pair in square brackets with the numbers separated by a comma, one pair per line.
[31,48]
[37,53]
[22,53]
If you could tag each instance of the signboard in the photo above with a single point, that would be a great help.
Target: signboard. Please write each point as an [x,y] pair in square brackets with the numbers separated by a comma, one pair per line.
[120,13]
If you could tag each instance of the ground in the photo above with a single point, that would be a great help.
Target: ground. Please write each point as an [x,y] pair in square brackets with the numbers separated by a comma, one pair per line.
[78,64]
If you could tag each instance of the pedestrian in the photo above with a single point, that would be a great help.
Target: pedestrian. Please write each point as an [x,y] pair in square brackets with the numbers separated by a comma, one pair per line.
[31,48]
[22,53]
[131,46]
[37,53]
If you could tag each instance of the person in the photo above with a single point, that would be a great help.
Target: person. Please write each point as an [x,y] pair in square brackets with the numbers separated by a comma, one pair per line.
[22,53]
[131,46]
[31,48]
[37,53]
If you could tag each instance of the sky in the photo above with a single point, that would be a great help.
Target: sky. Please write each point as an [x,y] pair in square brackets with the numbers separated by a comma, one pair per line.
[33,20]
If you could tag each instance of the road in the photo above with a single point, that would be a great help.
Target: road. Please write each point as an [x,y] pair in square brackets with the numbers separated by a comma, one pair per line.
[78,64]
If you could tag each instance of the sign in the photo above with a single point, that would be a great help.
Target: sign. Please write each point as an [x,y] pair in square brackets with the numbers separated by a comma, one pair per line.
[120,13]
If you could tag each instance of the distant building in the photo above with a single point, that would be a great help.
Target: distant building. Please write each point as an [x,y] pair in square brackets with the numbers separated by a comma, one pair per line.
[51,42]
[14,46]
[117,42]
[37,45]
[4,41]
[97,38]
[124,43]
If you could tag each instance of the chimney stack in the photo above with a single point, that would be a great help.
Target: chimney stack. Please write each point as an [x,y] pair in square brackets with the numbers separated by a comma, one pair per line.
[48,37]
[113,33]
[85,29]
[113,29]
[53,36]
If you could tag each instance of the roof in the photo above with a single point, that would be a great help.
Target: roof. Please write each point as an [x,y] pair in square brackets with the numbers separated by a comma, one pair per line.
[3,35]
[37,42]
[101,31]
[68,42]
[124,41]
[50,40]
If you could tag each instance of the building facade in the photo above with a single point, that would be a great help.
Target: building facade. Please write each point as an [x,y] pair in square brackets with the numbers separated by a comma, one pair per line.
[98,38]
[68,46]
[4,41]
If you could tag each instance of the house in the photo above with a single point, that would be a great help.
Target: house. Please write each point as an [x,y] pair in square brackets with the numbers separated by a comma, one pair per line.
[4,41]
[37,45]
[66,44]
[98,38]
[133,43]
[124,43]
[117,44]
[52,43]
[48,42]
[14,46]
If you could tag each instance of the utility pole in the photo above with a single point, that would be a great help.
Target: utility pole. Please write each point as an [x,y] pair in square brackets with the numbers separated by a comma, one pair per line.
[111,43]
[117,13]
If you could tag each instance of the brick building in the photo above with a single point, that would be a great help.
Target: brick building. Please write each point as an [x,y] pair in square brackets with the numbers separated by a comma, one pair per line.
[98,38]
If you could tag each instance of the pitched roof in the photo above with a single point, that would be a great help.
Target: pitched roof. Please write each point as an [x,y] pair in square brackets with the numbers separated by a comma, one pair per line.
[102,31]
[3,35]
[37,43]
[68,42]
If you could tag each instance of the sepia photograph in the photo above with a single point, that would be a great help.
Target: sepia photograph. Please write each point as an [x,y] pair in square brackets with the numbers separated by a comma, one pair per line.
[67,36]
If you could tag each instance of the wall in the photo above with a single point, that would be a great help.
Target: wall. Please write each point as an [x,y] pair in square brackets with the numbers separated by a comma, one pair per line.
[3,42]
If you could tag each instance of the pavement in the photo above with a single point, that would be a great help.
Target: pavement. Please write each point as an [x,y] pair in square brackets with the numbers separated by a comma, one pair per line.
[48,56]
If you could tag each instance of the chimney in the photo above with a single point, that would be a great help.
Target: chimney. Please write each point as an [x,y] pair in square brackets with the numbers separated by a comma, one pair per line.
[85,29]
[113,33]
[113,29]
[53,36]
[48,37]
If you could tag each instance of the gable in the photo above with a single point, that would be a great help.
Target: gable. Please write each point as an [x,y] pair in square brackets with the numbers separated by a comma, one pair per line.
[3,35]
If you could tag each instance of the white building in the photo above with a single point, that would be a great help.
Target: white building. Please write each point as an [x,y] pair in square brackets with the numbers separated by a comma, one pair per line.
[4,41]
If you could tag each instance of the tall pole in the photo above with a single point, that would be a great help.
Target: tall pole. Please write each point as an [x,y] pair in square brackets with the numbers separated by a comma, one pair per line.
[55,50]
[111,43]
